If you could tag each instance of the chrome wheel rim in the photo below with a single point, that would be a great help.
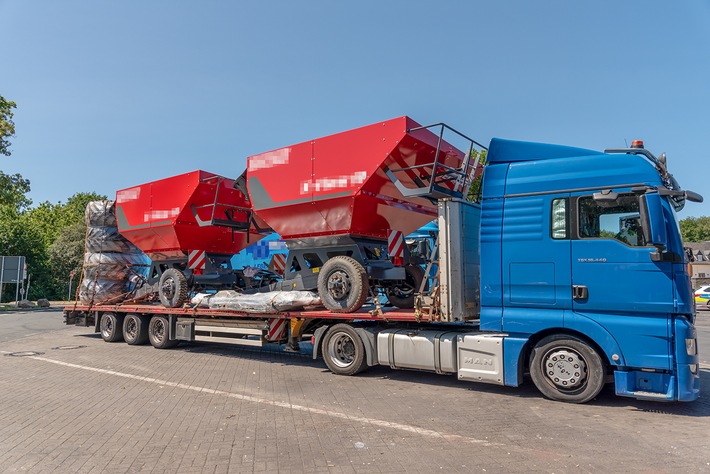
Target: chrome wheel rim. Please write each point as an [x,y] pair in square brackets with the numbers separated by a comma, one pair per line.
[341,349]
[565,368]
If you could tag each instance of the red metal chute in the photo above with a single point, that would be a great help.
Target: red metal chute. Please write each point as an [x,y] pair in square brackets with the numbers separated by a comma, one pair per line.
[339,184]
[193,211]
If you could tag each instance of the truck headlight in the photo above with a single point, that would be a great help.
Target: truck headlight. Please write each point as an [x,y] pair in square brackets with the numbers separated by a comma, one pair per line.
[691,347]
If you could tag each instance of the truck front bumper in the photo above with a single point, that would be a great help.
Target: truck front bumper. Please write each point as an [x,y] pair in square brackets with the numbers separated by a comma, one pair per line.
[684,386]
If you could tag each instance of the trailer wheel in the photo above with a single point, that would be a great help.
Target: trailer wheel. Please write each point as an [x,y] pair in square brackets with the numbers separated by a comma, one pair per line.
[158,333]
[403,296]
[566,369]
[172,288]
[344,351]
[343,285]
[111,325]
[135,329]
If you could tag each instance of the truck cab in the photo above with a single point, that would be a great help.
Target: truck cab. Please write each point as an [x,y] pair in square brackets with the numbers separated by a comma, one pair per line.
[582,266]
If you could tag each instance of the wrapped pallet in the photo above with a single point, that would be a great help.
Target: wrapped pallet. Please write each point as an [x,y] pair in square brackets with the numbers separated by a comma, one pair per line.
[111,263]
[264,303]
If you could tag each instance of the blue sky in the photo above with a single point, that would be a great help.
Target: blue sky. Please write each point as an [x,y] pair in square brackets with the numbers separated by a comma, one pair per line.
[113,94]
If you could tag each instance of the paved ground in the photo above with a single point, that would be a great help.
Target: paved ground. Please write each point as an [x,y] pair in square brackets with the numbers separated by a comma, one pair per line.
[70,402]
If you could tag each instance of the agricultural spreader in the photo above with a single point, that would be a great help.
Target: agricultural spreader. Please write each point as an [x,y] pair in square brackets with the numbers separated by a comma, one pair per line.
[343,204]
[190,226]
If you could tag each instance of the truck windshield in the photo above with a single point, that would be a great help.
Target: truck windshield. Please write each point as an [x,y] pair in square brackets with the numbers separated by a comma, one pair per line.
[618,220]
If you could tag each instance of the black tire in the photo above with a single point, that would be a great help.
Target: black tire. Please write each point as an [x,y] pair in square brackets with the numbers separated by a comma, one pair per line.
[100,213]
[159,333]
[342,284]
[566,369]
[172,288]
[343,350]
[403,296]
[135,329]
[111,327]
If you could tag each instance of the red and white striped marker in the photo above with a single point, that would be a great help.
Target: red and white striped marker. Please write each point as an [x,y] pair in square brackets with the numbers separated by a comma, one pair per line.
[278,263]
[395,243]
[277,329]
[196,259]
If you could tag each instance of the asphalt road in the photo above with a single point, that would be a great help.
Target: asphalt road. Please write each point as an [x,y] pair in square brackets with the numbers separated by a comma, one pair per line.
[70,402]
[18,324]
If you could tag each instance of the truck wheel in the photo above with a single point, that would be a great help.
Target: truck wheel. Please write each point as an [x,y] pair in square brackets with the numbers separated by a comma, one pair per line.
[343,350]
[111,325]
[403,296]
[566,369]
[158,333]
[343,285]
[135,329]
[172,288]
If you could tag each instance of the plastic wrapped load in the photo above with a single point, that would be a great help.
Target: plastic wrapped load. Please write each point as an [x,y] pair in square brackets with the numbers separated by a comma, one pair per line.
[271,302]
[113,266]
[99,290]
[111,263]
[100,214]
[106,239]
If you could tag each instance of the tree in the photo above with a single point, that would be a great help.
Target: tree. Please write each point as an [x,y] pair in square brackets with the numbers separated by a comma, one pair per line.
[474,192]
[13,191]
[61,232]
[695,229]
[51,237]
[66,254]
[7,126]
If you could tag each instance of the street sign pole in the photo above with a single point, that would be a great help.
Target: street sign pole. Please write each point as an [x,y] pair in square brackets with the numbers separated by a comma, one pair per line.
[71,277]
[17,288]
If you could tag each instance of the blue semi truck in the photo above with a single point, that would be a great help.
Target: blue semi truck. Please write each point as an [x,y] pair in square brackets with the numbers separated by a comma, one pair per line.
[583,269]
[569,270]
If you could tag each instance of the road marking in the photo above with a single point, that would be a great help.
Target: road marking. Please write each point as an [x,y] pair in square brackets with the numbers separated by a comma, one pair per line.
[264,401]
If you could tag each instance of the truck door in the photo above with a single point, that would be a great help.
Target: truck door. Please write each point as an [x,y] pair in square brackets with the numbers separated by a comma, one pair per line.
[536,252]
[614,280]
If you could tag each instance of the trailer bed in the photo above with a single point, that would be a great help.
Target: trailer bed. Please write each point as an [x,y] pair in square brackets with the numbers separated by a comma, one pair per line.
[364,314]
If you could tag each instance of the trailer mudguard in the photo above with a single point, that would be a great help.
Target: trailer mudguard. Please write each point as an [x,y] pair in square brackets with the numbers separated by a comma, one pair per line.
[369,340]
[317,336]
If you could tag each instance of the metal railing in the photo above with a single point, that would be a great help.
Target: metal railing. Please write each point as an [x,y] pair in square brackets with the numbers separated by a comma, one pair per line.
[433,185]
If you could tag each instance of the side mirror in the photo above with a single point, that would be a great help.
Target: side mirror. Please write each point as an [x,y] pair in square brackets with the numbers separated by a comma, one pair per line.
[693,196]
[652,220]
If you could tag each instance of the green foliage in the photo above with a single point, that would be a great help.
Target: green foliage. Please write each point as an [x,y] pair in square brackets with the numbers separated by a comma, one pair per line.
[474,192]
[13,190]
[695,229]
[66,254]
[7,126]
[50,236]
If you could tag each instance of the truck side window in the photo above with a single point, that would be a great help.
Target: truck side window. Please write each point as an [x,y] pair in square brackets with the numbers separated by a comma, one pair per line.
[558,219]
[619,220]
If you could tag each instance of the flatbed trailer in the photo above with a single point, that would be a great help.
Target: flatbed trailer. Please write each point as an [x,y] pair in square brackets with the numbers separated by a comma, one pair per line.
[348,342]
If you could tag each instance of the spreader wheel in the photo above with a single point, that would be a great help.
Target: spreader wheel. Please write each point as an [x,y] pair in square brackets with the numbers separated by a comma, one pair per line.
[172,288]
[343,285]
[403,296]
